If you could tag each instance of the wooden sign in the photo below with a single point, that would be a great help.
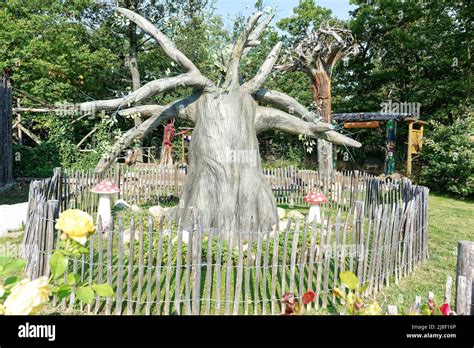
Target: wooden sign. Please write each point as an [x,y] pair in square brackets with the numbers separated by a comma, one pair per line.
[368,124]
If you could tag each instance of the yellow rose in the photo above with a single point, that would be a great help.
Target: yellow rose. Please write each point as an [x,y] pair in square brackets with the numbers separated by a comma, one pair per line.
[76,224]
[2,290]
[27,297]
[338,292]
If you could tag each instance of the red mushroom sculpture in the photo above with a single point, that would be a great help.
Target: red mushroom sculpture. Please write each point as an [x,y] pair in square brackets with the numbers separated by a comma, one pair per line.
[315,199]
[105,189]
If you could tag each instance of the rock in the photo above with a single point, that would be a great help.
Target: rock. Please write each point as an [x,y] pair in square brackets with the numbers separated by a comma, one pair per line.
[157,211]
[283,224]
[126,236]
[281,213]
[121,204]
[12,216]
[295,214]
[136,208]
[185,238]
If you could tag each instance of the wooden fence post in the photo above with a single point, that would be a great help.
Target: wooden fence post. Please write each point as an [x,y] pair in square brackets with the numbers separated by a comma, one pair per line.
[6,152]
[52,214]
[465,278]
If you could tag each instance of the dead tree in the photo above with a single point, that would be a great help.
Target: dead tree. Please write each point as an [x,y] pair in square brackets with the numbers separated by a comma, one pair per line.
[317,54]
[225,180]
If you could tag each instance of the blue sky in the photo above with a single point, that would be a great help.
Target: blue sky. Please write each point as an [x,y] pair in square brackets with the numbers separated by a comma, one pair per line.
[230,8]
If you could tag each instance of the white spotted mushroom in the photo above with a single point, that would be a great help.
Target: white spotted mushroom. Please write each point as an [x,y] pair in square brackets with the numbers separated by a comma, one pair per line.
[105,189]
[315,199]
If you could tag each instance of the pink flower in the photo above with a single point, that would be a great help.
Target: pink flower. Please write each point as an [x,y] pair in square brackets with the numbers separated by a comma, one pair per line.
[289,298]
[445,309]
[308,297]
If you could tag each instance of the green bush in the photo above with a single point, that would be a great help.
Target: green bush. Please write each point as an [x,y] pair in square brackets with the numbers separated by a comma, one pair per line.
[37,162]
[448,157]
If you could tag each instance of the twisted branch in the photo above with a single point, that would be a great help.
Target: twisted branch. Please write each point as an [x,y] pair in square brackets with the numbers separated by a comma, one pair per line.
[148,90]
[182,108]
[265,69]
[232,74]
[270,118]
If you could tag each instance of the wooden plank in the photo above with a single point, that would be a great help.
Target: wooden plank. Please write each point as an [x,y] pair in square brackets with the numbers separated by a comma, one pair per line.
[394,245]
[380,249]
[110,236]
[265,271]
[240,271]
[465,278]
[360,239]
[209,269]
[189,261]
[274,298]
[218,271]
[140,266]
[336,251]
[228,273]
[100,263]
[159,266]
[197,264]
[256,297]
[319,258]
[366,265]
[344,245]
[406,234]
[327,259]
[131,269]
[388,243]
[169,266]
[149,270]
[302,263]
[283,263]
[373,253]
[177,286]
[294,245]
[312,248]
[118,305]
[248,268]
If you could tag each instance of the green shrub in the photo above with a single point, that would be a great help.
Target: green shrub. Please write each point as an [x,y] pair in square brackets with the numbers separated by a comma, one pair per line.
[37,162]
[448,157]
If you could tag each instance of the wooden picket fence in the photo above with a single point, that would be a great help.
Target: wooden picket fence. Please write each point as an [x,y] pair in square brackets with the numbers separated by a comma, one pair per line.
[151,183]
[163,267]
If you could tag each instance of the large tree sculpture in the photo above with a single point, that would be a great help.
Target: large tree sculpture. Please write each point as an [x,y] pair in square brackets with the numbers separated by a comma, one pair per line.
[317,54]
[225,180]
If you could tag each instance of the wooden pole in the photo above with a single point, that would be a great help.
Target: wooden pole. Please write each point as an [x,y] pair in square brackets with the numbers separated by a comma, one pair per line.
[6,140]
[182,148]
[409,150]
[390,141]
[20,133]
[465,278]
[366,124]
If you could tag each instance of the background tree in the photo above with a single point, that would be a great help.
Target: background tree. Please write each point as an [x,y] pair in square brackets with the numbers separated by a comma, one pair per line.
[411,51]
[76,50]
[317,54]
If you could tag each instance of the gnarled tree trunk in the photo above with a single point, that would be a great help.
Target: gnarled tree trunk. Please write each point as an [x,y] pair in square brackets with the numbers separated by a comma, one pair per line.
[225,178]
[321,91]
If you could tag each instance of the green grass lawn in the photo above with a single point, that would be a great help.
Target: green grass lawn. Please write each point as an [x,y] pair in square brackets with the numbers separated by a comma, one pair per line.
[450,220]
